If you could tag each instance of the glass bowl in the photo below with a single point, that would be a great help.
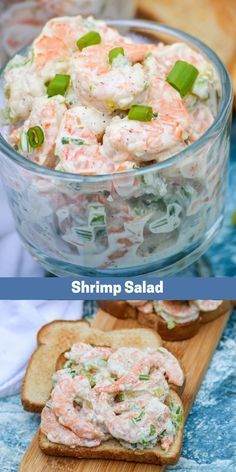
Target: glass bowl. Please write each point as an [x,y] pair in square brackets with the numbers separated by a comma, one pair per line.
[156,219]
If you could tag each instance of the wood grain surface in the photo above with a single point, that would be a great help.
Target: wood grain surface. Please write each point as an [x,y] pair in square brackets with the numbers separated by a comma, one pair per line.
[194,354]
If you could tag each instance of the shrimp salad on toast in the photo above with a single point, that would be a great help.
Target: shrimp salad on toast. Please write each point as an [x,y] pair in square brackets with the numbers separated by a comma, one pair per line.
[104,393]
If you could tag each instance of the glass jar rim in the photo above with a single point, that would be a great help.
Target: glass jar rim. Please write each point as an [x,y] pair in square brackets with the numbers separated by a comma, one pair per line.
[224,109]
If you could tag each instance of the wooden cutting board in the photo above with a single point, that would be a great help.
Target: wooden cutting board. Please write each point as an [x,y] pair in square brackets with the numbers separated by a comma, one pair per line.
[194,354]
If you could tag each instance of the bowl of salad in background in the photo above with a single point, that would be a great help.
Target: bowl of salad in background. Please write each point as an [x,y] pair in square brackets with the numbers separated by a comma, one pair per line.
[140,219]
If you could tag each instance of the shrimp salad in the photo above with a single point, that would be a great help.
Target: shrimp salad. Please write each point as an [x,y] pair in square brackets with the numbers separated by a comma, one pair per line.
[104,393]
[176,312]
[88,100]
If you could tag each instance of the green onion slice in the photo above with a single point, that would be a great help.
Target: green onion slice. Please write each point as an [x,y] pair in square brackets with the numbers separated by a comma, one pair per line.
[114,53]
[140,113]
[182,77]
[139,417]
[89,39]
[35,137]
[171,324]
[58,85]
[144,377]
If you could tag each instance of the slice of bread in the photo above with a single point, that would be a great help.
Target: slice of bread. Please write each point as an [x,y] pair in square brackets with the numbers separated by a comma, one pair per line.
[112,450]
[121,309]
[57,337]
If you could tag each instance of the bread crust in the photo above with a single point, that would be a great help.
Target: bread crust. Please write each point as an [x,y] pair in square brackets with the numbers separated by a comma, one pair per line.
[112,450]
[181,331]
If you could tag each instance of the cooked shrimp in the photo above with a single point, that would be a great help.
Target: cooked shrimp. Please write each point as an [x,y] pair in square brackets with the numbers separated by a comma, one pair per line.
[160,359]
[124,359]
[201,120]
[110,86]
[46,113]
[125,139]
[134,425]
[207,305]
[177,309]
[58,40]
[166,101]
[63,397]
[57,433]
[156,386]
[84,353]
[77,143]
[167,56]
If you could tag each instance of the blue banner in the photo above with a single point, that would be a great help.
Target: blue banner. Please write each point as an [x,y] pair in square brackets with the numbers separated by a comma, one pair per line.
[169,288]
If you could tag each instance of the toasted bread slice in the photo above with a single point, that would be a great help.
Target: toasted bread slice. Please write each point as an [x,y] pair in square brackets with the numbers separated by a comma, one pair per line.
[121,309]
[112,450]
[57,337]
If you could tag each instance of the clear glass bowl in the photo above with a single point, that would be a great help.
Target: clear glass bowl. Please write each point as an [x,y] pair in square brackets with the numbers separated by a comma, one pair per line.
[157,219]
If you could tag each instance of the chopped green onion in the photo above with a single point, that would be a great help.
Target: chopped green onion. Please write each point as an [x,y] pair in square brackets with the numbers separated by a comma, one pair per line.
[144,442]
[152,430]
[233,218]
[92,382]
[58,85]
[70,364]
[35,137]
[114,53]
[78,142]
[144,377]
[139,417]
[89,39]
[182,77]
[72,372]
[140,113]
[171,324]
[84,234]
